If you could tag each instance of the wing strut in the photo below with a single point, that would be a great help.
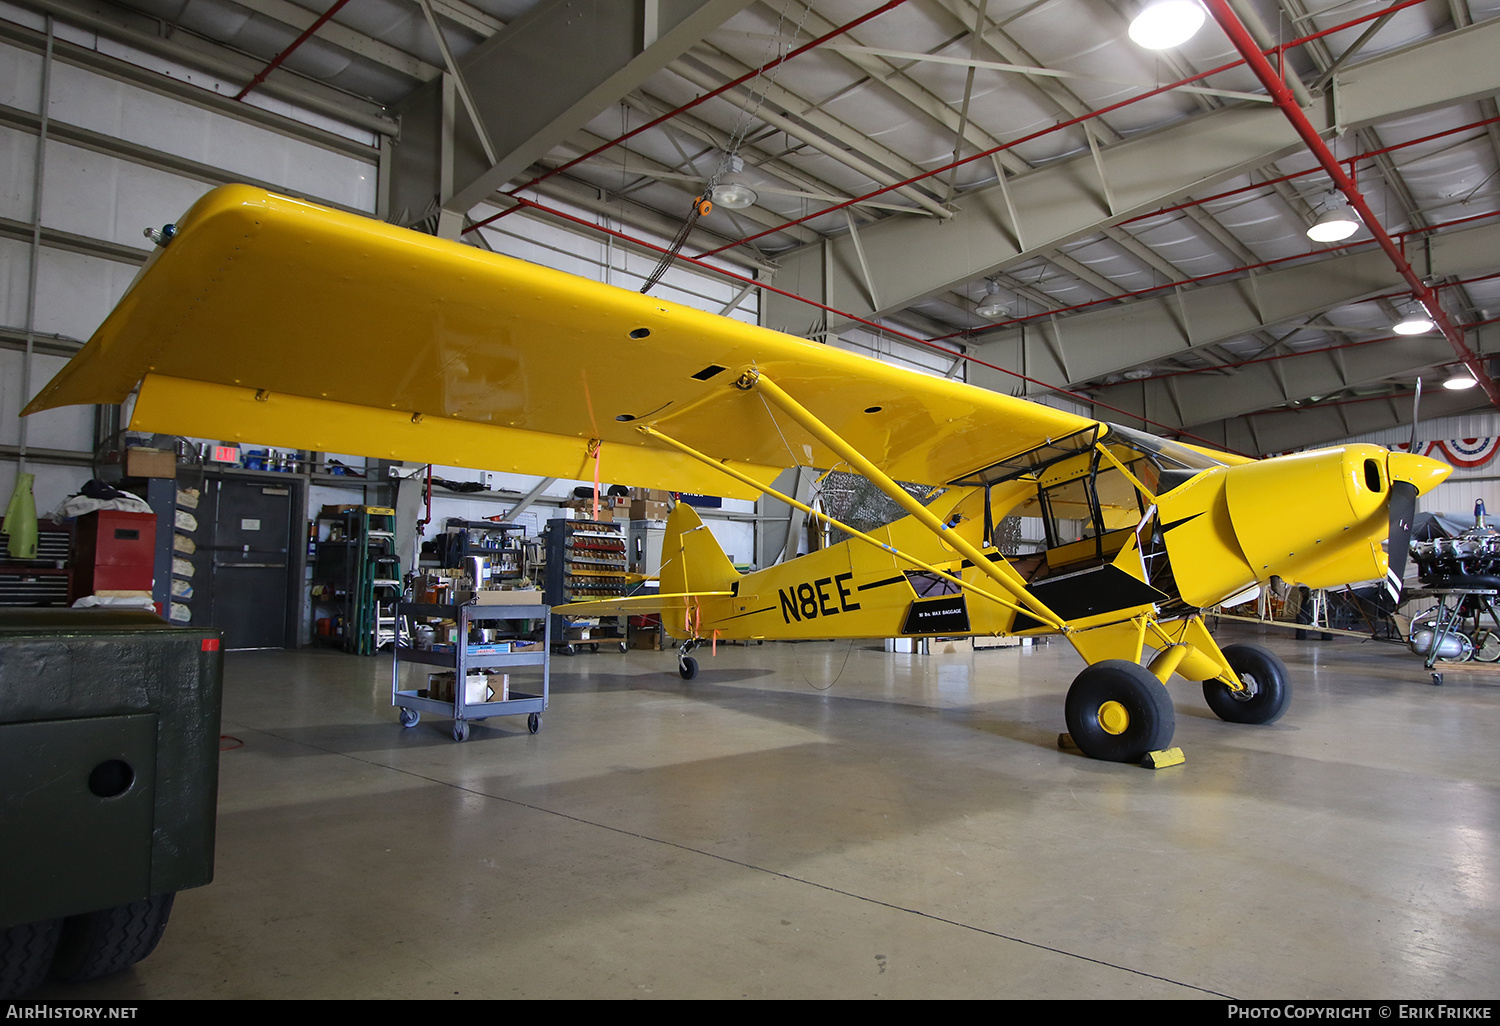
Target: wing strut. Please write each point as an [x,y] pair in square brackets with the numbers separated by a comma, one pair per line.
[997,571]
[716,464]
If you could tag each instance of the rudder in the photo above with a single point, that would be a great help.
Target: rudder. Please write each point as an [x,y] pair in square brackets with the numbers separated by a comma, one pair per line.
[691,558]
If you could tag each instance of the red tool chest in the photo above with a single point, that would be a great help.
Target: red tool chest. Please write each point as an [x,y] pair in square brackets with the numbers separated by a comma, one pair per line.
[115,551]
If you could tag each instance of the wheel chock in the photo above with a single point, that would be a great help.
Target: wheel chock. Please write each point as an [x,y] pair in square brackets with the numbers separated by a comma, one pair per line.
[1153,760]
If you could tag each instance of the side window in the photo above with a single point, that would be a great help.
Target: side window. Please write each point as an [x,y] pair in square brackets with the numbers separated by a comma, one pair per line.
[1091,506]
[1069,512]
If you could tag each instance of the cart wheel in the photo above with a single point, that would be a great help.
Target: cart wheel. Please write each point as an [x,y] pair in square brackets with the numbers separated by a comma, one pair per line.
[594,647]
[25,953]
[1486,647]
[624,647]
[534,722]
[460,730]
[409,717]
[99,943]
[569,650]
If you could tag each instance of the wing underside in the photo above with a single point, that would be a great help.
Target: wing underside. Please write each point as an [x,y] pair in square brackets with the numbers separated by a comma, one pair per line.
[271,320]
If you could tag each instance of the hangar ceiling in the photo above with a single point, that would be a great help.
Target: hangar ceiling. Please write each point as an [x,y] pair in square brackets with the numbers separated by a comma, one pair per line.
[1136,217]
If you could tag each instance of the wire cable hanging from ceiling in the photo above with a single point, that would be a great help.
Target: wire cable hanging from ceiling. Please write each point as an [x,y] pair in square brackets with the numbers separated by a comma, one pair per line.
[703,203]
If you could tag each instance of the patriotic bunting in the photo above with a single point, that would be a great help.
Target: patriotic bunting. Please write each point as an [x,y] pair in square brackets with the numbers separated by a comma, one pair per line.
[1467,453]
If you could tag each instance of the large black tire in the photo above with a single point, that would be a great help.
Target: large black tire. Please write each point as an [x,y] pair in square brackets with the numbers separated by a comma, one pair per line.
[687,667]
[99,943]
[1118,711]
[25,953]
[1264,673]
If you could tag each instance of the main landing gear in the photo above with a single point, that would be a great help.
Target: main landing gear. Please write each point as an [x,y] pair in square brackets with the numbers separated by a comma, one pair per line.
[1266,689]
[1118,711]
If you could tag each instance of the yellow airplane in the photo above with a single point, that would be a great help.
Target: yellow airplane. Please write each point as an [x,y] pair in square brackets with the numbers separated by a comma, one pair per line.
[270,320]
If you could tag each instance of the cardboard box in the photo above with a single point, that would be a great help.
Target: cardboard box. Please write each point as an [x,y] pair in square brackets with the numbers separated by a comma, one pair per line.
[142,462]
[492,597]
[645,509]
[583,509]
[651,494]
[478,687]
[645,639]
[333,511]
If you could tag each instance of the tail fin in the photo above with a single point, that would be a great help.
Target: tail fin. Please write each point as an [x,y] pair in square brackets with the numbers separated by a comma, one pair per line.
[691,559]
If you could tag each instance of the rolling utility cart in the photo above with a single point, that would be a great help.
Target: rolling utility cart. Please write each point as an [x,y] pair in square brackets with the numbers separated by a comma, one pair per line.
[475,696]
[586,559]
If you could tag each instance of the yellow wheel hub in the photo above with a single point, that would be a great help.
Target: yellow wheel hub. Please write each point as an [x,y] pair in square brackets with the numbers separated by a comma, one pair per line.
[1113,718]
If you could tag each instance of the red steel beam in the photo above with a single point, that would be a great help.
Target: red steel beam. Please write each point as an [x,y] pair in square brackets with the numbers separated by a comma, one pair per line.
[283,55]
[1350,161]
[1282,96]
[1279,50]
[1059,126]
[831,34]
[1201,278]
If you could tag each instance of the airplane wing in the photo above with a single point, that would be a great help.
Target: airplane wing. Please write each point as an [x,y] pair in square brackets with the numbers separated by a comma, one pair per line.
[271,320]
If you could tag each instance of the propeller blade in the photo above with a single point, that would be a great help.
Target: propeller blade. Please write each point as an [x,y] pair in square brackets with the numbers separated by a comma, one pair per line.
[1403,512]
[1416,417]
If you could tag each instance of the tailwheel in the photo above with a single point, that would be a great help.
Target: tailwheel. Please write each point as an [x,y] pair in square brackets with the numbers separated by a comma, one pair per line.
[687,666]
[1267,689]
[1118,711]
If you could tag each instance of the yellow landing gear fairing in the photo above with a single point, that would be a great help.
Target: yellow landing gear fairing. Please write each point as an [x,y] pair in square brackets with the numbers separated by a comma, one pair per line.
[271,320]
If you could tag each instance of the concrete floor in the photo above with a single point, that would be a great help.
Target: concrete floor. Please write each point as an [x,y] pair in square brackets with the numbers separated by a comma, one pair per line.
[824,820]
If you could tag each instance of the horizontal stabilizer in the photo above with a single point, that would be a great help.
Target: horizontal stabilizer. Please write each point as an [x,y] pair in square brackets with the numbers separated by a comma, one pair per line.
[633,604]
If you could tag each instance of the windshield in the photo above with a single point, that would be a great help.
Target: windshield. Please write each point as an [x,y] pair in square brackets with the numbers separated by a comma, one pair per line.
[1165,451]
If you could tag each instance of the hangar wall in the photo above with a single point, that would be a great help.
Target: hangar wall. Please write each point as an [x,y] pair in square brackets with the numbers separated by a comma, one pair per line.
[90,154]
[90,157]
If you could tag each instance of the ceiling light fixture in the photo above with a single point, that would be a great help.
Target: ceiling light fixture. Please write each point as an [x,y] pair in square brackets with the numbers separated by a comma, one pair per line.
[1414,321]
[1167,23]
[733,191]
[1336,223]
[1462,378]
[992,306]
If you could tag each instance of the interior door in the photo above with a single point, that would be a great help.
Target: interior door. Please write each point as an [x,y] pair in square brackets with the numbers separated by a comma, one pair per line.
[248,561]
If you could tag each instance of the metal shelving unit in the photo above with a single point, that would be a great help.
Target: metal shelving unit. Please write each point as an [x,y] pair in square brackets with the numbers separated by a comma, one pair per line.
[356,578]
[501,545]
[586,559]
[466,657]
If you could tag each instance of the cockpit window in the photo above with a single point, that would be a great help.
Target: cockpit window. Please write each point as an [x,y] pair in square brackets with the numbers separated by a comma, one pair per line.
[1032,461]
